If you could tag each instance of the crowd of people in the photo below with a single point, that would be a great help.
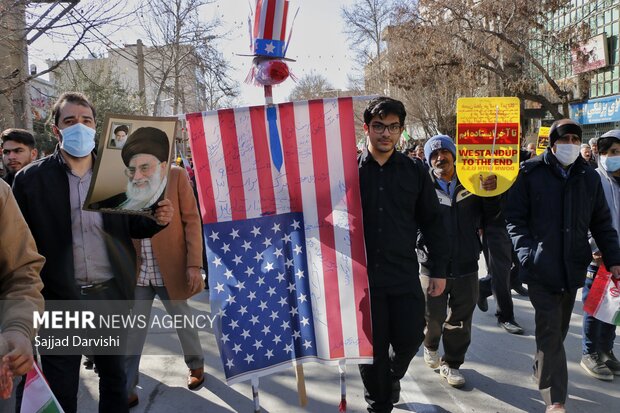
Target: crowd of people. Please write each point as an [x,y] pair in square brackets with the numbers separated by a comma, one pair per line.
[552,228]
[424,232]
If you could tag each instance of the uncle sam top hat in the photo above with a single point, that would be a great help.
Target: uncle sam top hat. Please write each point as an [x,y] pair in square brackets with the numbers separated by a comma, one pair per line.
[269,35]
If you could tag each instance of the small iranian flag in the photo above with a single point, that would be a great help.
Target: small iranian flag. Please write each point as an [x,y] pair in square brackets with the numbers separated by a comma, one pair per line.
[603,301]
[38,397]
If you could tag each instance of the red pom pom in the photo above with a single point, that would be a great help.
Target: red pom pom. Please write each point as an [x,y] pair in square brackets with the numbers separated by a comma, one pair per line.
[270,72]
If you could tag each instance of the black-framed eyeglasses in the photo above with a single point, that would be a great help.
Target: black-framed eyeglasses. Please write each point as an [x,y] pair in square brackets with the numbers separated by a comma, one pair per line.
[393,128]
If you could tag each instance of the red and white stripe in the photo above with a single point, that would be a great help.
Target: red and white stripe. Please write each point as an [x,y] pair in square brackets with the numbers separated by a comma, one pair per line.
[270,19]
[237,180]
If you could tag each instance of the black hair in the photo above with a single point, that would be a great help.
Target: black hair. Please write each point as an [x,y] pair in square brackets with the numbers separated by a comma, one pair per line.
[383,106]
[604,144]
[71,97]
[18,135]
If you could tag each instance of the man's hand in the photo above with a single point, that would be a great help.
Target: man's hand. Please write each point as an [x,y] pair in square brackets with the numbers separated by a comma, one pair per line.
[436,286]
[615,271]
[597,258]
[6,377]
[194,280]
[489,183]
[164,211]
[6,381]
[19,358]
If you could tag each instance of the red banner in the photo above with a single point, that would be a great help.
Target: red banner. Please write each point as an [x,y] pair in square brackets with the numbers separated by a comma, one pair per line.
[482,134]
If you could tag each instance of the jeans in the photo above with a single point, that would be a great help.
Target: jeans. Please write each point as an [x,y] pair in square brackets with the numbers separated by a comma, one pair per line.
[598,336]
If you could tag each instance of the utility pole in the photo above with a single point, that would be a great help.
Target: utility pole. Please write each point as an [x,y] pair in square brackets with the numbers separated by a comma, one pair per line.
[141,81]
[15,108]
[15,104]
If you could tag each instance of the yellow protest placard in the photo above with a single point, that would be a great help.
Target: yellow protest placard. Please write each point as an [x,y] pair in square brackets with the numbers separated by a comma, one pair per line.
[487,142]
[543,139]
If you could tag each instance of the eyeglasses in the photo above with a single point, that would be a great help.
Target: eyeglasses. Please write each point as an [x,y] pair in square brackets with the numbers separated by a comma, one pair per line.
[144,169]
[378,127]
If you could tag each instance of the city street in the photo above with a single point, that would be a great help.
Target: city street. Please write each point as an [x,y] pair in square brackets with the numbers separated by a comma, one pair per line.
[497,369]
[315,154]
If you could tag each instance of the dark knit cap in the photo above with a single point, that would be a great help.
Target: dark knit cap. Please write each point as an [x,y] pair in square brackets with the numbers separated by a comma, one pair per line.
[562,127]
[438,142]
[148,140]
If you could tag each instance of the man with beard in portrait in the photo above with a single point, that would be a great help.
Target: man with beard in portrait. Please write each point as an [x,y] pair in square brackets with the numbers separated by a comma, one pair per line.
[120,136]
[145,155]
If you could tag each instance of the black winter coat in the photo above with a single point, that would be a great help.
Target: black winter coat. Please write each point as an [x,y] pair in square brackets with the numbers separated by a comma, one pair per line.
[42,192]
[463,215]
[548,217]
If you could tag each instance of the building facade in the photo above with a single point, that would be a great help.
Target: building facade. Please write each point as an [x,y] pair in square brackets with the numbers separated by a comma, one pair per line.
[166,83]
[593,66]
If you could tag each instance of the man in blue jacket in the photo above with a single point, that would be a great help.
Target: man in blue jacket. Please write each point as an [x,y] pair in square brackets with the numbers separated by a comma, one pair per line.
[89,255]
[554,201]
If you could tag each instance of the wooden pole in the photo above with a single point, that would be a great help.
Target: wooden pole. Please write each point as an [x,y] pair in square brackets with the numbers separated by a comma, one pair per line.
[301,385]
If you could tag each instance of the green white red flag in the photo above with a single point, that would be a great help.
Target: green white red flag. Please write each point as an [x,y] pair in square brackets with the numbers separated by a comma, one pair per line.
[38,397]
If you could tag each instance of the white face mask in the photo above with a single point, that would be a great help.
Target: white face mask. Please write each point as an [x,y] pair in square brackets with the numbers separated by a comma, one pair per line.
[566,153]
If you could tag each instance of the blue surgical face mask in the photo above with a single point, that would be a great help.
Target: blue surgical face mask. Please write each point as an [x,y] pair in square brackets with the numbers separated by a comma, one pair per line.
[78,140]
[610,163]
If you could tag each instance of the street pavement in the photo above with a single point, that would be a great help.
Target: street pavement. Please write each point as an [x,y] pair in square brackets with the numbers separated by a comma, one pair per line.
[498,370]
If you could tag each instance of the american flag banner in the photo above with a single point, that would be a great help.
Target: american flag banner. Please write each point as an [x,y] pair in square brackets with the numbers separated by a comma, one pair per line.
[279,194]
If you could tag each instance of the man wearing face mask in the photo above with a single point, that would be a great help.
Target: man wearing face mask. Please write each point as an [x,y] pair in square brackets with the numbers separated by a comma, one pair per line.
[598,358]
[89,256]
[554,201]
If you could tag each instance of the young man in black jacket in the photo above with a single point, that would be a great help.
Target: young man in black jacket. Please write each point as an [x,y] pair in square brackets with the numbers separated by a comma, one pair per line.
[449,315]
[555,200]
[397,200]
[89,255]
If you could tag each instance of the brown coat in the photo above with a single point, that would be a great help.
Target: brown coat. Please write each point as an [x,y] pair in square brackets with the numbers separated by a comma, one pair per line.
[179,245]
[20,265]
